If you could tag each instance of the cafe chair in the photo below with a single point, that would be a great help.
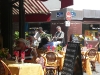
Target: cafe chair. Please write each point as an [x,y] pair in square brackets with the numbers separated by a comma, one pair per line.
[6,68]
[83,62]
[2,70]
[92,55]
[51,63]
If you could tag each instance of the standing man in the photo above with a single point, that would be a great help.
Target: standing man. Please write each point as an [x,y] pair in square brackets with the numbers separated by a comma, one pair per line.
[59,36]
[37,36]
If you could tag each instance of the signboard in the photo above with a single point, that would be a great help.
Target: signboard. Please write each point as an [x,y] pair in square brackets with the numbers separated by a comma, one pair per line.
[67,23]
[73,14]
[95,27]
[59,14]
[72,62]
[68,16]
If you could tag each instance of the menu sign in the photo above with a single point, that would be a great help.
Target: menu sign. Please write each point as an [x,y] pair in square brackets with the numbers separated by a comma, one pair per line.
[72,58]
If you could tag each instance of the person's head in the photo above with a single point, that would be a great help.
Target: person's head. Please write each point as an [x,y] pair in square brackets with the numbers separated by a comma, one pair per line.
[58,28]
[21,43]
[40,29]
[36,30]
[44,41]
[30,38]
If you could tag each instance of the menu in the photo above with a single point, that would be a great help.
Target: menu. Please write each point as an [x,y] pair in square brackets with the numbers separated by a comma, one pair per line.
[72,54]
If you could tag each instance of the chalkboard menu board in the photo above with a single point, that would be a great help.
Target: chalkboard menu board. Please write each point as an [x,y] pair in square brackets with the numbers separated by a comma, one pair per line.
[72,58]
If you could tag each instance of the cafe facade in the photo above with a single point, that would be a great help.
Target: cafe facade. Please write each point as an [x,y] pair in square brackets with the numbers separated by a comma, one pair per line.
[83,22]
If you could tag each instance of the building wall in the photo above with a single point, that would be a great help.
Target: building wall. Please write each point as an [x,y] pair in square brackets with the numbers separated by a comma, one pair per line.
[75,28]
[59,17]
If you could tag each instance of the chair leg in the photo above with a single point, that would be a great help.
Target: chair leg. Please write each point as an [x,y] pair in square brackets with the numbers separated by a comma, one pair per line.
[58,70]
[47,72]
[93,66]
[44,71]
[55,72]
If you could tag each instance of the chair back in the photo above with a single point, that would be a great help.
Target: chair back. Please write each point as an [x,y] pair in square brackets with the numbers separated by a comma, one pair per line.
[7,70]
[2,70]
[51,56]
[92,53]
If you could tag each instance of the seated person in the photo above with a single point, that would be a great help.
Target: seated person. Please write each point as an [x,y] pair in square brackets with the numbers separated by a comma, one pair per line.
[40,60]
[50,43]
[43,42]
[21,46]
[59,36]
[30,41]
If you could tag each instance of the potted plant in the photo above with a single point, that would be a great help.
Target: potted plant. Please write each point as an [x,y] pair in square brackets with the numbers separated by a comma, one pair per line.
[59,48]
[4,53]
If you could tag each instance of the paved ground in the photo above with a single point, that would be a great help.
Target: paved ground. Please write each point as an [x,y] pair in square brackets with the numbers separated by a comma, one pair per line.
[97,68]
[94,73]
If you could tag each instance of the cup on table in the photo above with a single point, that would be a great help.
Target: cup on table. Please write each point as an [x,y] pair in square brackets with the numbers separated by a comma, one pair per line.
[16,53]
[53,48]
[48,48]
[22,57]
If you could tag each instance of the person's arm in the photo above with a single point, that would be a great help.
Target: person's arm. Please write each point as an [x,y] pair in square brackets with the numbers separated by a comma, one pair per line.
[35,36]
[34,52]
[54,37]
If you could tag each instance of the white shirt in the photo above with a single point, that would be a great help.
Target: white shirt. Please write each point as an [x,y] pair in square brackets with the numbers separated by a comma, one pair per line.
[38,36]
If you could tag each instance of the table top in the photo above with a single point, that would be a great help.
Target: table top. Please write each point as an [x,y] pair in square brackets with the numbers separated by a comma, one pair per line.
[24,64]
[26,69]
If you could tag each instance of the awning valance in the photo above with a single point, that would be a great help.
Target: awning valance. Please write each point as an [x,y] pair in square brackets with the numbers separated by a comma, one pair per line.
[32,7]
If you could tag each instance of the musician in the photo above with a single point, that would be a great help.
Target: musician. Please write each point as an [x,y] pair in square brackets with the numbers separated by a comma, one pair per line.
[59,36]
[37,36]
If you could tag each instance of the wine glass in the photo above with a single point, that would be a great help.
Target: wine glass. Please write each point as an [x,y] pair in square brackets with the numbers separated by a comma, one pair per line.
[22,57]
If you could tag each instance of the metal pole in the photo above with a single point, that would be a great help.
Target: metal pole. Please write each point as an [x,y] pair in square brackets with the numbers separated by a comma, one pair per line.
[21,19]
[6,24]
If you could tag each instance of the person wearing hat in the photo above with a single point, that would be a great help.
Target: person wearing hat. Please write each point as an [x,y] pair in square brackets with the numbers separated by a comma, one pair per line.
[21,47]
[59,36]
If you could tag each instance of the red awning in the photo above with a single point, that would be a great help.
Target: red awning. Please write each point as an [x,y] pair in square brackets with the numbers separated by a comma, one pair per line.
[66,3]
[32,7]
[34,18]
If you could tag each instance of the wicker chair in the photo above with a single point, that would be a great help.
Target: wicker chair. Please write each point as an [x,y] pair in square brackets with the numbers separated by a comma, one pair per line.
[7,70]
[92,54]
[51,63]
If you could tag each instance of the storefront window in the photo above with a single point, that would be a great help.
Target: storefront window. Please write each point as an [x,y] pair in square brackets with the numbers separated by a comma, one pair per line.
[91,35]
[90,31]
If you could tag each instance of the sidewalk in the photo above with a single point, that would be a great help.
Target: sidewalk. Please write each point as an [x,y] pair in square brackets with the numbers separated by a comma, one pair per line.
[97,68]
[94,73]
